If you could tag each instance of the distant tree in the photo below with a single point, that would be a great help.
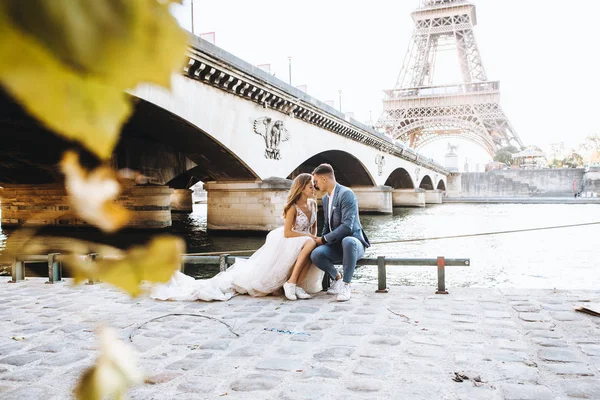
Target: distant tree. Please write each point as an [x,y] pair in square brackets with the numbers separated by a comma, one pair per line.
[505,154]
[574,160]
[592,143]
[556,163]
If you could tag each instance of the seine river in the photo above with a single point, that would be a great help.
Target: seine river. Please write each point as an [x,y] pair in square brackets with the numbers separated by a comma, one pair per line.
[561,258]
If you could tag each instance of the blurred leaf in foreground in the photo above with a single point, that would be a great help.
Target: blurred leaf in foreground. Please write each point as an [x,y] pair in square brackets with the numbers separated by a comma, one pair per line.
[69,62]
[154,263]
[114,373]
[92,194]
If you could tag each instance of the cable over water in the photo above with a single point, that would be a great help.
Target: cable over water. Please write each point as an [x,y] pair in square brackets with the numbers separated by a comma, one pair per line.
[217,253]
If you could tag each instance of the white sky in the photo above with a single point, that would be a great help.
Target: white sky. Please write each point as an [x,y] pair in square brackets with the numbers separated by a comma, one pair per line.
[543,53]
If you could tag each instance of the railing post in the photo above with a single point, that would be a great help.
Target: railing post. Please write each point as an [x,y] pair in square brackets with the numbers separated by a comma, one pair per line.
[92,257]
[17,271]
[182,266]
[381,275]
[223,262]
[54,268]
[441,264]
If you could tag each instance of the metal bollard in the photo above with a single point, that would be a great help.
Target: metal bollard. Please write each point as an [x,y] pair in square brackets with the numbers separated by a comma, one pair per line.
[92,257]
[18,271]
[381,275]
[54,268]
[441,264]
[223,262]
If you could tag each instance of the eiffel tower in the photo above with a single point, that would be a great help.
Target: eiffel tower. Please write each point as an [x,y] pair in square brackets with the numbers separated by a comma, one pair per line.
[417,113]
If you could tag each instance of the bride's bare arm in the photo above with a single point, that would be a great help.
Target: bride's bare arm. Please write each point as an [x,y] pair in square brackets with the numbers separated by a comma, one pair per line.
[313,229]
[290,217]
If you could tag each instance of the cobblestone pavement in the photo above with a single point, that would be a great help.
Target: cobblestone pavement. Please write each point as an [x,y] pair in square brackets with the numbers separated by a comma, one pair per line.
[407,344]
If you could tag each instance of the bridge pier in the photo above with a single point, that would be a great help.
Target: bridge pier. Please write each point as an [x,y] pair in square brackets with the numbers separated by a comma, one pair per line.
[408,198]
[48,205]
[376,200]
[434,196]
[246,206]
[181,200]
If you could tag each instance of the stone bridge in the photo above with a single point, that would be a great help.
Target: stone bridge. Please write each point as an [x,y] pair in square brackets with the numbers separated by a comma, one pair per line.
[239,130]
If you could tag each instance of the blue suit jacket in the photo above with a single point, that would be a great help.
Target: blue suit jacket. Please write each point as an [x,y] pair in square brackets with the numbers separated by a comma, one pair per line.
[344,217]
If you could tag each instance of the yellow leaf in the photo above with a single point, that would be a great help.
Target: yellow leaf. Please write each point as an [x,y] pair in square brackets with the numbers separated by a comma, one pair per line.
[154,263]
[92,194]
[69,62]
[114,373]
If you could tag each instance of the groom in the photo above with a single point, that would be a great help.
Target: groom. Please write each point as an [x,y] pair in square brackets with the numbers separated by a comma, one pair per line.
[343,241]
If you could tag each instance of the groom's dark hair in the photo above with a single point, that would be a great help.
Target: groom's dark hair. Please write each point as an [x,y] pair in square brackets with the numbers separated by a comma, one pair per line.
[324,169]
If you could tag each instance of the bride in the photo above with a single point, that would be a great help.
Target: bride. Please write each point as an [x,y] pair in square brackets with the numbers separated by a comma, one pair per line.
[283,261]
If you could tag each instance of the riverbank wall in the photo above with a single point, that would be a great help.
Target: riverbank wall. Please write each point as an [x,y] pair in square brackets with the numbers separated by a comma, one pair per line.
[537,183]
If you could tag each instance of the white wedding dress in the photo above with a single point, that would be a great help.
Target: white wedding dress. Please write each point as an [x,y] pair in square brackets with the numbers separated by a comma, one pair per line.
[260,275]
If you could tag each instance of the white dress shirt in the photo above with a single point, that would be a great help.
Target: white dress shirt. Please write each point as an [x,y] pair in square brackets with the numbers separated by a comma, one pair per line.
[330,208]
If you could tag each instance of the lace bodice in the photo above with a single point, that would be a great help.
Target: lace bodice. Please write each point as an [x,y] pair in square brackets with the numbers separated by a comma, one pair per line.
[302,223]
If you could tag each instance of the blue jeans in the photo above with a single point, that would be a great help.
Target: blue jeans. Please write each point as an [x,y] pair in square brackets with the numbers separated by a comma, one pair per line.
[347,253]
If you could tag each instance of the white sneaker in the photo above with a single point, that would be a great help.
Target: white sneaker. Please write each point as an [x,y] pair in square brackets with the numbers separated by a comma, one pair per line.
[290,291]
[335,287]
[301,293]
[345,293]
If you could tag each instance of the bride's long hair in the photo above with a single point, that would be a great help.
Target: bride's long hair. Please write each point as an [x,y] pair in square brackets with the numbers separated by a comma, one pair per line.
[296,190]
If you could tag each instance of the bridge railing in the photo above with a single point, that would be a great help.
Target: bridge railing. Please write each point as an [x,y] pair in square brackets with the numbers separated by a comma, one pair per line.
[214,66]
[54,261]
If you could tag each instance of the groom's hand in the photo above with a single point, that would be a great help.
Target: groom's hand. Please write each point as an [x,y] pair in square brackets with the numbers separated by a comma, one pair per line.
[319,241]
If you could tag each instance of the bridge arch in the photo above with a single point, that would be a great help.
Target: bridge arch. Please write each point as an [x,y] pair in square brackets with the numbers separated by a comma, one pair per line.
[154,139]
[426,132]
[349,170]
[441,185]
[426,183]
[400,179]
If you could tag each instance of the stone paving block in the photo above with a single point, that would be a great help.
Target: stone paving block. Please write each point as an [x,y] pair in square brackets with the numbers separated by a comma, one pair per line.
[26,375]
[516,345]
[294,318]
[578,369]
[386,341]
[591,349]
[218,344]
[304,310]
[364,385]
[495,314]
[320,372]
[534,316]
[36,392]
[11,347]
[372,367]
[247,351]
[279,364]
[21,359]
[518,373]
[422,351]
[202,385]
[526,392]
[565,316]
[305,391]
[334,354]
[65,358]
[255,382]
[470,392]
[354,330]
[559,355]
[581,388]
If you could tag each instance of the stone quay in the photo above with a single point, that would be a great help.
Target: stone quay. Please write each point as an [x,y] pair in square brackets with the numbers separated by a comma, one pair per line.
[406,344]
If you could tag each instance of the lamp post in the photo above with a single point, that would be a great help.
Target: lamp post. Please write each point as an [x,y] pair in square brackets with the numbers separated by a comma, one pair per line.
[290,67]
[192,11]
[340,93]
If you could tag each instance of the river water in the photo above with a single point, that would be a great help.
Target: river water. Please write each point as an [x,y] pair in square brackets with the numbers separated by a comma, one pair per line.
[562,258]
